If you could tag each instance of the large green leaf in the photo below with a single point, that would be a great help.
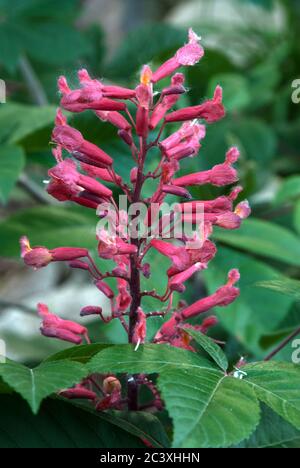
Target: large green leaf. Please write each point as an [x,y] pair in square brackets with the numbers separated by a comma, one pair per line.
[12,162]
[210,347]
[277,385]
[60,425]
[52,226]
[272,432]
[265,239]
[36,384]
[207,407]
[81,353]
[257,311]
[148,358]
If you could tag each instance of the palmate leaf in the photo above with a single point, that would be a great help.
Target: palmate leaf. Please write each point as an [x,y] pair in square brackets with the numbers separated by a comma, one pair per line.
[210,347]
[36,384]
[277,385]
[208,408]
[272,432]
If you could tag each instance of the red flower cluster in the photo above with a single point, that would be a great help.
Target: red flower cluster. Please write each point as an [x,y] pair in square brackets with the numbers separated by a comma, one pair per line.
[79,175]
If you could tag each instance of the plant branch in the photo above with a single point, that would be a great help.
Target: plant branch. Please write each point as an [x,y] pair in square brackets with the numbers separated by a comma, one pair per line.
[34,85]
[282,345]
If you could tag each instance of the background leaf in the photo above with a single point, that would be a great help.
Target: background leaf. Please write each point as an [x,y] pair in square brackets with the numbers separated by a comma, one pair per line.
[44,225]
[12,162]
[264,239]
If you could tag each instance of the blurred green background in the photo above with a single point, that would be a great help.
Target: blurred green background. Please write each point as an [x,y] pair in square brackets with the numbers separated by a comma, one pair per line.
[253,51]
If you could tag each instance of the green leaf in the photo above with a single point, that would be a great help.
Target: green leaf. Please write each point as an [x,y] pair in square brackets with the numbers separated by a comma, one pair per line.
[277,385]
[81,353]
[60,424]
[267,4]
[36,384]
[207,407]
[297,217]
[142,424]
[51,226]
[257,139]
[286,286]
[17,121]
[265,239]
[289,190]
[210,347]
[257,311]
[4,388]
[10,47]
[147,359]
[272,432]
[12,162]
[55,44]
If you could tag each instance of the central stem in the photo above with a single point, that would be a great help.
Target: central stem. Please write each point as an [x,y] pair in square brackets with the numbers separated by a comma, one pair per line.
[135,280]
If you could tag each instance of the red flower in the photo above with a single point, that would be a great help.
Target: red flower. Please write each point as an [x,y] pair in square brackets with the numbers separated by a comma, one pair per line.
[188,55]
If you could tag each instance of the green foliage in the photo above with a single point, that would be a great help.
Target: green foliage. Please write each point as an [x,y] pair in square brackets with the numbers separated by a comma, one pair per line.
[210,347]
[46,224]
[61,425]
[264,239]
[284,286]
[277,385]
[12,163]
[273,432]
[257,311]
[36,384]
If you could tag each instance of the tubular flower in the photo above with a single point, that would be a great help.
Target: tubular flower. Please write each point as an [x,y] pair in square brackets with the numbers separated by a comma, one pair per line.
[211,111]
[39,257]
[55,327]
[128,235]
[188,55]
